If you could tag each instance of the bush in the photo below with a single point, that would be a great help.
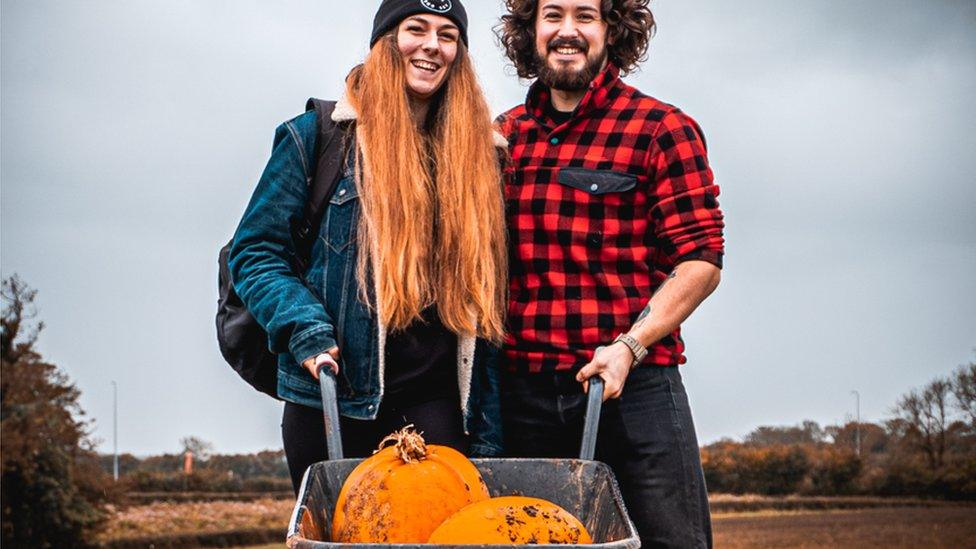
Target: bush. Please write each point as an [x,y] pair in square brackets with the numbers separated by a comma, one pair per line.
[741,469]
[833,471]
[52,491]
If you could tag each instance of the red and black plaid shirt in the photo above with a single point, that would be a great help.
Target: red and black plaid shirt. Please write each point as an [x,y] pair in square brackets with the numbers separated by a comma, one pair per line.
[600,210]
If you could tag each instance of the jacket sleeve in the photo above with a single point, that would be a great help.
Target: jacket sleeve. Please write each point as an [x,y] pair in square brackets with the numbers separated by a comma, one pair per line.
[486,423]
[261,256]
[689,224]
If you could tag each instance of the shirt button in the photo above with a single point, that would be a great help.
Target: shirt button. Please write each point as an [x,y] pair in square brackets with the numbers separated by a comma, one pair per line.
[370,407]
[594,187]
[554,140]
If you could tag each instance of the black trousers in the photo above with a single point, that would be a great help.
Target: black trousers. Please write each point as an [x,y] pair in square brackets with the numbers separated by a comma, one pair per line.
[303,431]
[647,437]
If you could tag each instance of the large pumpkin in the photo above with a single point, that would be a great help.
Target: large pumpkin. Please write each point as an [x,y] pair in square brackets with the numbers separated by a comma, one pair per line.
[511,519]
[403,492]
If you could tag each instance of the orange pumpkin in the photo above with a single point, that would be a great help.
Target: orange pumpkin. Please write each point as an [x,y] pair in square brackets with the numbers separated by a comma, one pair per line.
[511,519]
[403,492]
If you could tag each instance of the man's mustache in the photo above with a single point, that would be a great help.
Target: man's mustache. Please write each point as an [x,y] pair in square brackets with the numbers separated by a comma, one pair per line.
[567,42]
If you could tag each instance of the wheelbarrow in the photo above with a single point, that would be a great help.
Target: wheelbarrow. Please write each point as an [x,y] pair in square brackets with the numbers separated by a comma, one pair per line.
[584,487]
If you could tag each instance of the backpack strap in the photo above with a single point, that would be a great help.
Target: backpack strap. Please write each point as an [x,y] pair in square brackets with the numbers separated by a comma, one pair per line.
[329,160]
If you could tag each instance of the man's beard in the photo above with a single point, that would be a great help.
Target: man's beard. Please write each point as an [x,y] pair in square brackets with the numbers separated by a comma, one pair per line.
[567,79]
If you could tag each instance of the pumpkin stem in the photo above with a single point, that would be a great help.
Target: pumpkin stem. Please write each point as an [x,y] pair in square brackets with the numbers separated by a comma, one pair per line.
[410,445]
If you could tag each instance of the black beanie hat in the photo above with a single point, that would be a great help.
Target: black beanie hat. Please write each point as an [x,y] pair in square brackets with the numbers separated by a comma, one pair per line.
[391,12]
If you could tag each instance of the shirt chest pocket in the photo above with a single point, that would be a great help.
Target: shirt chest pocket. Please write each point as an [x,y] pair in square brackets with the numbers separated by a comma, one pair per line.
[597,182]
[602,212]
[342,215]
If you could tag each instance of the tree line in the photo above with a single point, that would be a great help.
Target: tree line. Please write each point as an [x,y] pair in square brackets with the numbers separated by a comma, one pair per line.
[926,447]
[264,471]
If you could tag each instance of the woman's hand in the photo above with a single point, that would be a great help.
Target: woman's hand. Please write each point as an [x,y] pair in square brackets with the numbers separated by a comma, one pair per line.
[330,357]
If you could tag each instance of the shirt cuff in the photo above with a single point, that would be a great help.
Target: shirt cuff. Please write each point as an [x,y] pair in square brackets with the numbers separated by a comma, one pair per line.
[715,257]
[311,343]
[484,450]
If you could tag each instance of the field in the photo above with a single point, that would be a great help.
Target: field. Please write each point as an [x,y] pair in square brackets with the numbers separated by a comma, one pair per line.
[214,523]
[738,522]
[881,527]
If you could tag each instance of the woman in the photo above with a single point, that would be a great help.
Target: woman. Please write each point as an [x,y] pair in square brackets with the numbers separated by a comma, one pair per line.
[410,264]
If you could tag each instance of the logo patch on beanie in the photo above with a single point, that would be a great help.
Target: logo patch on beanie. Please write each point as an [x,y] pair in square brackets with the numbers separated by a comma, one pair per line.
[440,6]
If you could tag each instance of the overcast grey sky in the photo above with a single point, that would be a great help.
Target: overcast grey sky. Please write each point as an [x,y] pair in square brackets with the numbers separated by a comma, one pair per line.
[841,133]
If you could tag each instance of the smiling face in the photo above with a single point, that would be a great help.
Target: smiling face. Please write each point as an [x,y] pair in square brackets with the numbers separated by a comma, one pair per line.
[570,43]
[428,44]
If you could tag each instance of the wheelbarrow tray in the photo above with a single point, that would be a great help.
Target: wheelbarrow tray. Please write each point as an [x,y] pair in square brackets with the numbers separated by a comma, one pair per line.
[585,488]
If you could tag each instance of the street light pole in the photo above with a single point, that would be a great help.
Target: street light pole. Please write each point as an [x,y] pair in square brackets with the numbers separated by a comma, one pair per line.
[115,430]
[857,426]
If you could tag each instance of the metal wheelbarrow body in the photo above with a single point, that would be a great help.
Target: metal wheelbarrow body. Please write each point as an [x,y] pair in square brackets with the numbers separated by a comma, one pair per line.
[584,487]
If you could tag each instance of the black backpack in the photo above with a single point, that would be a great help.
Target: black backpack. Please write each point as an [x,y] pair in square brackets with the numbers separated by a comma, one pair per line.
[243,342]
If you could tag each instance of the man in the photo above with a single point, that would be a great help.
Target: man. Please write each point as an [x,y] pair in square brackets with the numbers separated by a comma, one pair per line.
[616,237]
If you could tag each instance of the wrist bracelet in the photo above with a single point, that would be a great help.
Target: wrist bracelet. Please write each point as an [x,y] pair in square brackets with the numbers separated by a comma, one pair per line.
[638,350]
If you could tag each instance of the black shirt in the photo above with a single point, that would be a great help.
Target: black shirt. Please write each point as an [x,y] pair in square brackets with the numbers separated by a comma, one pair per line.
[421,362]
[558,117]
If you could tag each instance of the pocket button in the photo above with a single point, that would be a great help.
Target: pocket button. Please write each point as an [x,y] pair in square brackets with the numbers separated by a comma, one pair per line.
[594,187]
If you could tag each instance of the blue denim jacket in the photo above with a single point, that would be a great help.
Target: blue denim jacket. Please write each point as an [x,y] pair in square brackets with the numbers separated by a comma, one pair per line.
[305,315]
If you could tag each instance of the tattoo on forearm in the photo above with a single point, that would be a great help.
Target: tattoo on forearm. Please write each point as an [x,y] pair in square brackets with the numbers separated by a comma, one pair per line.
[647,310]
[645,313]
[643,316]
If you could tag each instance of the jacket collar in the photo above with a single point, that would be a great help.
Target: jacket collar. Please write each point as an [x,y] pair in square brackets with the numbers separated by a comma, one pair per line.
[597,95]
[344,112]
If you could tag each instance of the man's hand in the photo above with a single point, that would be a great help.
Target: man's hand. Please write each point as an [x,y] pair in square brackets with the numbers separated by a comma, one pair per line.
[612,363]
[330,357]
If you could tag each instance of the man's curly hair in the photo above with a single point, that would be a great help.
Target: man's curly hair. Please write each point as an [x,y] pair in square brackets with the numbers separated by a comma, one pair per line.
[630,25]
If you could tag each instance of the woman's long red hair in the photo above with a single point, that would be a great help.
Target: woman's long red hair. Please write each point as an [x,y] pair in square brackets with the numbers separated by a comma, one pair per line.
[432,229]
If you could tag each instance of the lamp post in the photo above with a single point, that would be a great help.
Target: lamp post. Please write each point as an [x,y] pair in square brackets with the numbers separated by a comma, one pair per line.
[857,426]
[115,430]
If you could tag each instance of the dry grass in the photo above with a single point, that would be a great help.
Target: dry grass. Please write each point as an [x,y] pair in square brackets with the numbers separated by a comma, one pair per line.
[176,518]
[728,503]
[947,525]
[950,527]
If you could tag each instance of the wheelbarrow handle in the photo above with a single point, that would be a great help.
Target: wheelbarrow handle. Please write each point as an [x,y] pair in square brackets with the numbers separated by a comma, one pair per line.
[594,401]
[333,433]
[330,412]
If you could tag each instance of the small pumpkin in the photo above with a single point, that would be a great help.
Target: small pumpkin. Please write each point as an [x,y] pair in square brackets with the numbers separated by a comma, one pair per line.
[511,520]
[402,492]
